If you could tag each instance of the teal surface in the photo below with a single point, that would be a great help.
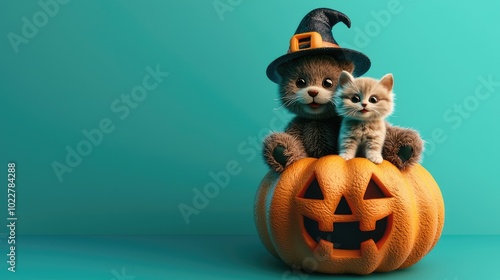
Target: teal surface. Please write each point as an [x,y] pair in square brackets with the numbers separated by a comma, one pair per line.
[118,113]
[222,257]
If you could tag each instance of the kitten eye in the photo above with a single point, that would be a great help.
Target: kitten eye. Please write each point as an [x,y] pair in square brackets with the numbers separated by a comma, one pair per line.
[301,83]
[373,99]
[355,99]
[327,83]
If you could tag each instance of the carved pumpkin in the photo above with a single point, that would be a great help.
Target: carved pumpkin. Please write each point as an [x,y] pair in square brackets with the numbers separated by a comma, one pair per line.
[335,216]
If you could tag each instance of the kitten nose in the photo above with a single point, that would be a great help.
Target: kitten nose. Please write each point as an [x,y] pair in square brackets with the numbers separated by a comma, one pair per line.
[312,93]
[364,104]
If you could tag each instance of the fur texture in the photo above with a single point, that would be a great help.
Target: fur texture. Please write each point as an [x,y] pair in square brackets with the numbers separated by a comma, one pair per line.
[306,89]
[363,103]
[403,147]
[311,132]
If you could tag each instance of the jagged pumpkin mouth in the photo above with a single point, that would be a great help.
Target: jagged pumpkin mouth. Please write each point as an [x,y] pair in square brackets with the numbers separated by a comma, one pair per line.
[347,235]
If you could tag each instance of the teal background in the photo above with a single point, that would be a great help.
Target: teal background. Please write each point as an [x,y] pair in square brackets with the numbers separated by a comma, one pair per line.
[216,99]
[116,215]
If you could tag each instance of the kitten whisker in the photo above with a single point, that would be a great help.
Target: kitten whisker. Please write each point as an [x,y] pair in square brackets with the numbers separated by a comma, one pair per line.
[277,108]
[352,112]
[287,101]
[291,100]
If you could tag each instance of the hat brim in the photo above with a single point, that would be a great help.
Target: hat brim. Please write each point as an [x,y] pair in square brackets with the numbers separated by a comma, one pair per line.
[361,62]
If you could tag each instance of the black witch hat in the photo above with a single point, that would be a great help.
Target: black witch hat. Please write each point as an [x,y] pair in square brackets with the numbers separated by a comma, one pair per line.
[314,37]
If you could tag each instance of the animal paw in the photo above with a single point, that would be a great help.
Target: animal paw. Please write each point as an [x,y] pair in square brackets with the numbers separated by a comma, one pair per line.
[281,150]
[279,155]
[405,153]
[375,158]
[346,156]
[403,147]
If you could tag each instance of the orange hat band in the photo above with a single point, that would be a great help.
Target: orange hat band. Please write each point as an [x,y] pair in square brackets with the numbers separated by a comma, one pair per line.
[309,40]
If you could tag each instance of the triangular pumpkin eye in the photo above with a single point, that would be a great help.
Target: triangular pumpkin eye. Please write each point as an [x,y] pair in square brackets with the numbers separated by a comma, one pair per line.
[374,191]
[313,191]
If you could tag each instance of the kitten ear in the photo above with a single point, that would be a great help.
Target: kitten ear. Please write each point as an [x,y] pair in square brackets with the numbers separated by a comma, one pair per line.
[387,81]
[345,79]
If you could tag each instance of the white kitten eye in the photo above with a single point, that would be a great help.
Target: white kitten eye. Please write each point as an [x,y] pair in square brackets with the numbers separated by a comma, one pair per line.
[327,83]
[301,83]
[373,99]
[355,99]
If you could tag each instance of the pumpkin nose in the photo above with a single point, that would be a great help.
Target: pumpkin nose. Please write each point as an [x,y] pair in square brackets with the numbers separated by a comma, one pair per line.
[343,207]
[312,93]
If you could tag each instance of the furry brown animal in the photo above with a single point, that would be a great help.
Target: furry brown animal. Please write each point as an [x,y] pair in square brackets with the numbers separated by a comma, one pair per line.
[306,89]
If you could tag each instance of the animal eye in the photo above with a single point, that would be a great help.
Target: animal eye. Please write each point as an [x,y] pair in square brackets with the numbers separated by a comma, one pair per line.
[373,99]
[300,83]
[355,99]
[327,83]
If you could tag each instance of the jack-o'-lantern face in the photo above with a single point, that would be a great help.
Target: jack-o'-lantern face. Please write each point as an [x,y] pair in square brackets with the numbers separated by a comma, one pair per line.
[336,216]
[349,227]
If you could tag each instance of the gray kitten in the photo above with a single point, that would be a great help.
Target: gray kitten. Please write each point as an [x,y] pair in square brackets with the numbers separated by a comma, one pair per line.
[364,103]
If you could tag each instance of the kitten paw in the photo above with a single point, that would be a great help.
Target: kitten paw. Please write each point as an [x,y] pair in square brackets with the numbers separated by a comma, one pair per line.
[377,158]
[346,156]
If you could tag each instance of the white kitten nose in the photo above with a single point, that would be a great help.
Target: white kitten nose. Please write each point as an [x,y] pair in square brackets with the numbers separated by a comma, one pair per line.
[364,104]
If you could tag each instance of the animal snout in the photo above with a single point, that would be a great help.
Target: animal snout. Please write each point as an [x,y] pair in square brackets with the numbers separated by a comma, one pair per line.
[364,105]
[312,93]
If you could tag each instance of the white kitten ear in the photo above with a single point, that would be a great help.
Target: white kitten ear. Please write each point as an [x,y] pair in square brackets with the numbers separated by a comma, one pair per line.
[387,81]
[345,79]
